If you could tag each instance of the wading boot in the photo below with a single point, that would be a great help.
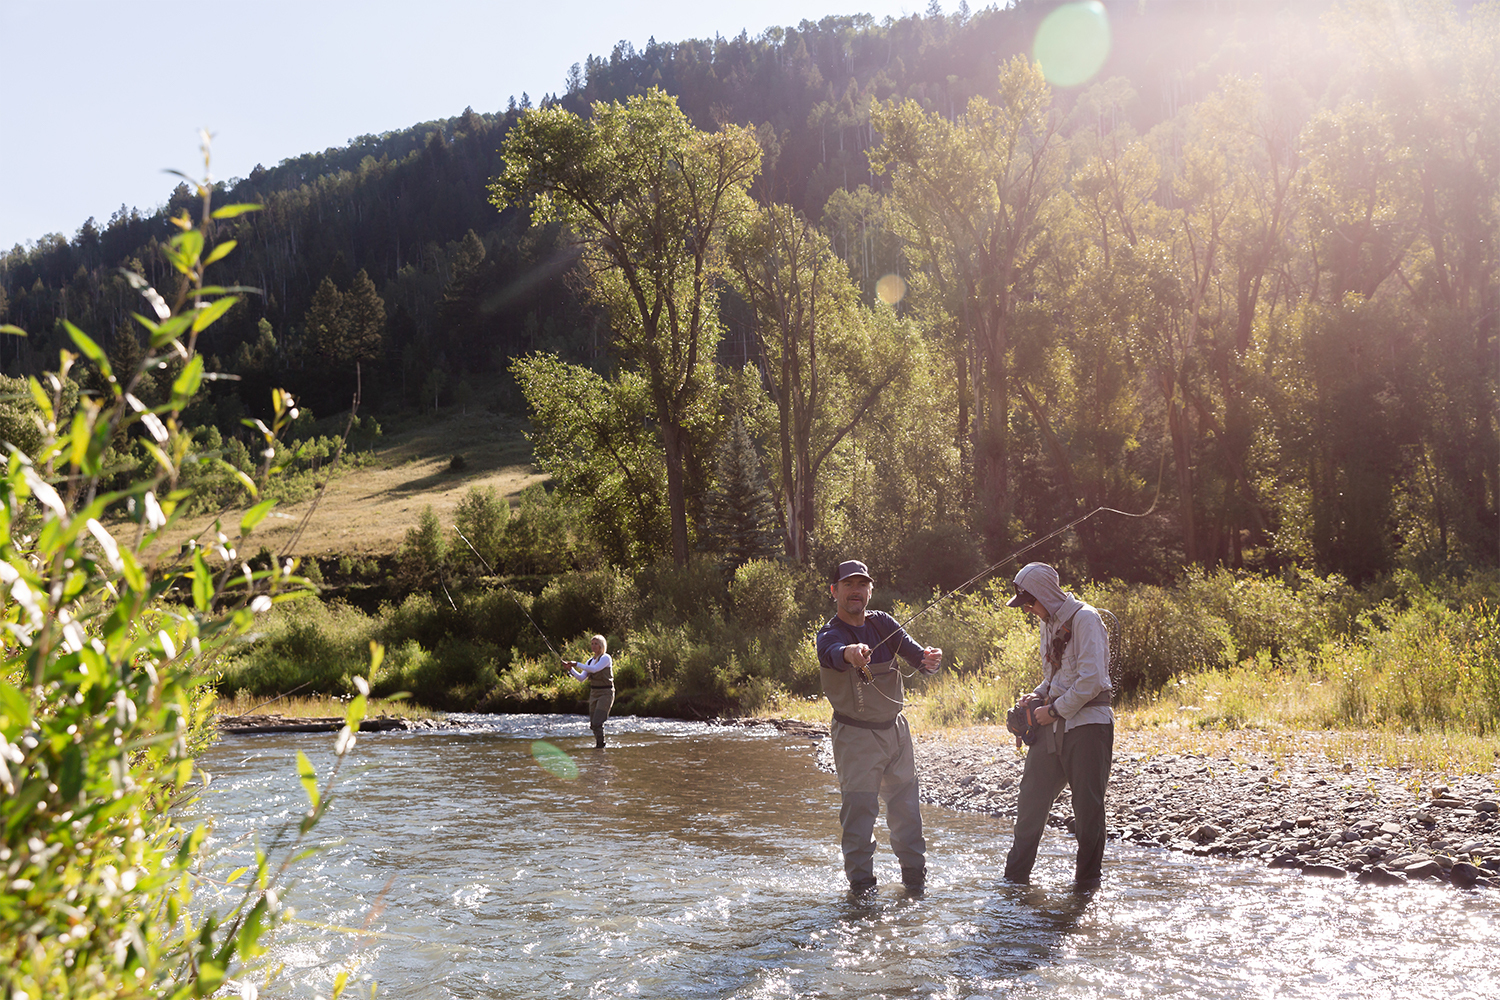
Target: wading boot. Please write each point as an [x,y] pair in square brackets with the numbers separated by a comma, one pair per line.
[915,880]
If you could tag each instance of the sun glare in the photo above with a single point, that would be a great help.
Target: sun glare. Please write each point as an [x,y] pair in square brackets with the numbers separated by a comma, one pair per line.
[554,760]
[891,289]
[1072,43]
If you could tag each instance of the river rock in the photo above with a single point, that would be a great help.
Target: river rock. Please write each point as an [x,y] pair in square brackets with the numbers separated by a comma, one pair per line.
[1326,871]
[1290,811]
[1379,876]
[1424,869]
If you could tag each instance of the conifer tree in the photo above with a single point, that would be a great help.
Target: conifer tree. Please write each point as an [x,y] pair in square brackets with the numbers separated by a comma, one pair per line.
[741,510]
[364,321]
[326,326]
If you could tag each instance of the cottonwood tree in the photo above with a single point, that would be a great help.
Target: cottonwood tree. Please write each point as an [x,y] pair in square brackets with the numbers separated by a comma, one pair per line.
[971,198]
[816,357]
[592,436]
[647,198]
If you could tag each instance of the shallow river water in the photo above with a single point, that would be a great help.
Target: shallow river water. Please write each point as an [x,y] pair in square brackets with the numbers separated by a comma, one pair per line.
[512,859]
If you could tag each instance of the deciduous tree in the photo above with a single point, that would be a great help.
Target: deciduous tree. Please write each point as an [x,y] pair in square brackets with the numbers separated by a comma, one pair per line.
[973,195]
[648,198]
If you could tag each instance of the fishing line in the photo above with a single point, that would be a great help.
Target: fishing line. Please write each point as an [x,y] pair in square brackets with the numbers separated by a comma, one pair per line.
[1012,556]
[513,597]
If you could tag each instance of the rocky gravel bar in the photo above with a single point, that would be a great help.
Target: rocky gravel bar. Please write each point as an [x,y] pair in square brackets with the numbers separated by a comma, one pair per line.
[1306,810]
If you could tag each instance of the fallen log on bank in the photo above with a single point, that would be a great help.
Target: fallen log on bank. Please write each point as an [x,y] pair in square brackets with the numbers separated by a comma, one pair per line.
[238,725]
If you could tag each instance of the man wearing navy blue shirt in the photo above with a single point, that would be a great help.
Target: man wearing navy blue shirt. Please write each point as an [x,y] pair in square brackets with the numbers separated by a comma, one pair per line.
[872,749]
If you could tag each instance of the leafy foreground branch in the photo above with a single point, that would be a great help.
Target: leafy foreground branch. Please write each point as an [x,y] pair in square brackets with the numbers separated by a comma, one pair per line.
[103,654]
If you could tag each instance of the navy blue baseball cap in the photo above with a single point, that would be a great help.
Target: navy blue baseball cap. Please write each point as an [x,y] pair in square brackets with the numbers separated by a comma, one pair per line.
[852,567]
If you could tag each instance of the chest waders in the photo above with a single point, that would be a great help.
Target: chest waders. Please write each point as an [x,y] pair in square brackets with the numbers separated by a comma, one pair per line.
[868,697]
[872,754]
[601,700]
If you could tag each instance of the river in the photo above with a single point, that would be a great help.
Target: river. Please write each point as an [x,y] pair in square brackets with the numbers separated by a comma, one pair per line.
[510,858]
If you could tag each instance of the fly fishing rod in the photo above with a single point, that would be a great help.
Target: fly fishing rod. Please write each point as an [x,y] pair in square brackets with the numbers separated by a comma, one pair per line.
[485,563]
[1022,551]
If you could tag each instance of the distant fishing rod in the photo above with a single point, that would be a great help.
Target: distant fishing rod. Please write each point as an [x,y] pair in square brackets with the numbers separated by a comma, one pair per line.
[513,597]
[1022,551]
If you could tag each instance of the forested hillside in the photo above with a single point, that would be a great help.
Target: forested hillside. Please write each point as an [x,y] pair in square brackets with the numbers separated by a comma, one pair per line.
[1245,276]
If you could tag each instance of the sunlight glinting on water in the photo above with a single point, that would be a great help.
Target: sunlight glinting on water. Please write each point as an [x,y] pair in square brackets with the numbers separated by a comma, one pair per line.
[695,861]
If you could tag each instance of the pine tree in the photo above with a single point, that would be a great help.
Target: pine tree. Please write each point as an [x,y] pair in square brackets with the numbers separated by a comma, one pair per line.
[257,357]
[465,261]
[125,354]
[364,321]
[326,325]
[741,514]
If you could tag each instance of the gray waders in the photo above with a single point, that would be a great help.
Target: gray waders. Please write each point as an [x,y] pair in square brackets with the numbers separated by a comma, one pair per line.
[872,753]
[601,699]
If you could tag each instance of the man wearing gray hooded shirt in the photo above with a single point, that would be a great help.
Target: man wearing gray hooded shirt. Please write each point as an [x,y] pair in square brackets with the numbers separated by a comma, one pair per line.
[1074,724]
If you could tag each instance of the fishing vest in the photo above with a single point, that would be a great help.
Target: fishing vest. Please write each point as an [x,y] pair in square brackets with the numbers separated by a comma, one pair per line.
[601,679]
[871,703]
[1060,639]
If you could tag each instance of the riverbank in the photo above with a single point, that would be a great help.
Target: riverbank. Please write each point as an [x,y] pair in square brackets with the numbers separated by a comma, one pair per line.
[1325,813]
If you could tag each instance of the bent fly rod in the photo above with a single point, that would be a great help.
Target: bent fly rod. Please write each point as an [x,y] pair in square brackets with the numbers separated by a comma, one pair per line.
[485,563]
[1022,551]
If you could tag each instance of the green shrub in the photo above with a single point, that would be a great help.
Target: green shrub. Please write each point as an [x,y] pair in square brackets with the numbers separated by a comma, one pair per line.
[804,676]
[975,630]
[1428,667]
[480,517]
[400,669]
[458,674]
[764,595]
[674,595]
[101,703]
[1163,634]
[419,616]
[496,616]
[584,603]
[1267,614]
[939,558]
[531,684]
[310,646]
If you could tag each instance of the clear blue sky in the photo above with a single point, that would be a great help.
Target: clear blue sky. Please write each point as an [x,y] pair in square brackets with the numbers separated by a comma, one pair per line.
[101,97]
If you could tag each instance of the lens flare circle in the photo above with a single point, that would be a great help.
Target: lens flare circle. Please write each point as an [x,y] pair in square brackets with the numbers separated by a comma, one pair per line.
[890,289]
[1072,43]
[554,761]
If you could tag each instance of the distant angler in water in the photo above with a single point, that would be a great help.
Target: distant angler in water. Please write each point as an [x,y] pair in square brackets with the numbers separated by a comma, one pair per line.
[599,673]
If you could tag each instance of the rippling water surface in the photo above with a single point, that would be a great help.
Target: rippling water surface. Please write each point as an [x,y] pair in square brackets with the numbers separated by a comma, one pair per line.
[696,861]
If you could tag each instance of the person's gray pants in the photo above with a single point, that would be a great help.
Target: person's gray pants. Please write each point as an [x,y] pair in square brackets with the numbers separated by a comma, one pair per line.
[1083,765]
[873,764]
